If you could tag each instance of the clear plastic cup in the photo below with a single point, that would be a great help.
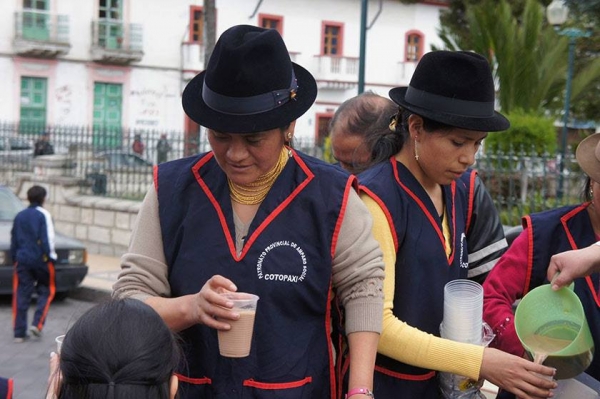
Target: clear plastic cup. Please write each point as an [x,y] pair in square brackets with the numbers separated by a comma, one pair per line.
[463,311]
[59,341]
[236,342]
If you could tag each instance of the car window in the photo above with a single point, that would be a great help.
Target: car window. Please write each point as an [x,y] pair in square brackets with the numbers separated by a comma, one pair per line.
[10,205]
[17,143]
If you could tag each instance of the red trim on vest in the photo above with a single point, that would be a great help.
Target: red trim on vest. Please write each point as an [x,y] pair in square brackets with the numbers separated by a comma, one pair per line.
[386,212]
[195,381]
[268,219]
[329,347]
[471,200]
[338,224]
[155,177]
[309,177]
[277,385]
[451,257]
[344,370]
[402,376]
[527,223]
[423,208]
[564,219]
[213,201]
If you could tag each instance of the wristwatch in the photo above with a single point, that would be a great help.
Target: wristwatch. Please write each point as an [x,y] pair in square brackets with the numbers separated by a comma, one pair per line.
[360,391]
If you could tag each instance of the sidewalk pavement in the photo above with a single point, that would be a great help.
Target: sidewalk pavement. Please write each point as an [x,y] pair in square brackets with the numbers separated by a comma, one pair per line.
[102,273]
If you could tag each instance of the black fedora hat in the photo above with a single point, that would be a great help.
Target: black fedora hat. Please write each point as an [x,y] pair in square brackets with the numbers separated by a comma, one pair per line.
[250,84]
[455,88]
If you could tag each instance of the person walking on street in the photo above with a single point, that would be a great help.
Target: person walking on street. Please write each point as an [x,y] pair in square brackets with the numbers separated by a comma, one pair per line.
[43,146]
[162,149]
[32,252]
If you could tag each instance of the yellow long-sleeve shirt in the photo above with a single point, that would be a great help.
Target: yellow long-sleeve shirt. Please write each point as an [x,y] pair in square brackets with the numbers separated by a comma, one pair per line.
[408,344]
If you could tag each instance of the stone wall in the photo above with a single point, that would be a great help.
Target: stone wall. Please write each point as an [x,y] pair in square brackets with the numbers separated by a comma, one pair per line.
[103,224]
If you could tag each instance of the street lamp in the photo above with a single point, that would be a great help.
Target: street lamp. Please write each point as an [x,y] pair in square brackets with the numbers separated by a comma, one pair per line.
[557,14]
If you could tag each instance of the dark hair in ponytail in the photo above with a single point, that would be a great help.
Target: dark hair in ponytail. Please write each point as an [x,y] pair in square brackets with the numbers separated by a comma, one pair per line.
[119,349]
[389,145]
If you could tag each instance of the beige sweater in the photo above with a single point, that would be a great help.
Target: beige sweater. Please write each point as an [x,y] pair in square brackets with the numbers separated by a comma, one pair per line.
[357,265]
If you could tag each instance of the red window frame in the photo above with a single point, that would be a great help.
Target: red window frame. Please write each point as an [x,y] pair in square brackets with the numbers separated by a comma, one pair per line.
[194,30]
[326,48]
[413,51]
[319,116]
[278,19]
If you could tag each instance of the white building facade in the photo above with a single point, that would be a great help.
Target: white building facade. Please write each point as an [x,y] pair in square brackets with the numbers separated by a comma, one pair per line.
[122,64]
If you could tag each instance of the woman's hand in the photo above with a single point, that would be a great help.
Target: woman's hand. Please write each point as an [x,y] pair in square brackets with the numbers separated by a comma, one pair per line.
[213,309]
[54,377]
[517,375]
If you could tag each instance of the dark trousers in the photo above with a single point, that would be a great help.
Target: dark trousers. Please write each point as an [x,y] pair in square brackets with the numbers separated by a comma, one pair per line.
[38,278]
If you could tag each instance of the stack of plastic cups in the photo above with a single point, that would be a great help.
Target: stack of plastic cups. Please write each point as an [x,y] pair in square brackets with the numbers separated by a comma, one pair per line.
[463,322]
[463,312]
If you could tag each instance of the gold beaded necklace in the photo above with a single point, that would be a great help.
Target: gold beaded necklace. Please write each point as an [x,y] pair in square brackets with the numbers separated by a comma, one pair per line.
[255,192]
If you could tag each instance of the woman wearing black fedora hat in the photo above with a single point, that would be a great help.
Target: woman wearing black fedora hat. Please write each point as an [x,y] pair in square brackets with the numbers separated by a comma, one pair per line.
[420,209]
[253,215]
[525,265]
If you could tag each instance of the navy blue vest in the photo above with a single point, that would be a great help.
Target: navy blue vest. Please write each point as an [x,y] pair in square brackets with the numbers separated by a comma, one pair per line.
[422,267]
[552,232]
[560,230]
[286,261]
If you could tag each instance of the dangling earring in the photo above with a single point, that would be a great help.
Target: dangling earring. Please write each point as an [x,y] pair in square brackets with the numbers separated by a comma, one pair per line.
[416,154]
[289,137]
[591,193]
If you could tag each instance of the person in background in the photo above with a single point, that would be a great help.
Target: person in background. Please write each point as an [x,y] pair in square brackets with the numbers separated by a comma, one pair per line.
[163,147]
[358,127]
[120,349]
[255,215]
[420,210]
[525,265]
[138,145]
[361,137]
[32,251]
[43,146]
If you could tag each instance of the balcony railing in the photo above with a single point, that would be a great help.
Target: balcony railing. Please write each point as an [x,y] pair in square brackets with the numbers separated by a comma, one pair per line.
[336,72]
[41,34]
[116,42]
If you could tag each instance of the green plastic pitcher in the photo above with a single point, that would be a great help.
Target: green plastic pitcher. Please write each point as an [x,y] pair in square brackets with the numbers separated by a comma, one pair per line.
[553,324]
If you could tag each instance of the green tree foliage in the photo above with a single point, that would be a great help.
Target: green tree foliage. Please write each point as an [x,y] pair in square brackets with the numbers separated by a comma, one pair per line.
[529,57]
[529,133]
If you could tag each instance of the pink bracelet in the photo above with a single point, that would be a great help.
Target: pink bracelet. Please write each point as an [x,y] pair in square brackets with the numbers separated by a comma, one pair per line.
[360,391]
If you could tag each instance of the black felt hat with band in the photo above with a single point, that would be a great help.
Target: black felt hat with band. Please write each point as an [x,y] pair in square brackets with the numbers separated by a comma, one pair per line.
[250,84]
[455,88]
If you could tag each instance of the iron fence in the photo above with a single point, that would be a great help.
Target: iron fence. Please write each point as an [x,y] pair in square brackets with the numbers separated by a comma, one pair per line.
[105,163]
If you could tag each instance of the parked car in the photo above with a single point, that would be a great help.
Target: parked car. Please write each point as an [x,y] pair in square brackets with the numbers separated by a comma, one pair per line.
[70,268]
[16,150]
[115,172]
[119,159]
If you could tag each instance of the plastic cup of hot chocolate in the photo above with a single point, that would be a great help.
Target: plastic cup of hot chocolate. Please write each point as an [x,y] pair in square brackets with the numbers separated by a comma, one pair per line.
[237,341]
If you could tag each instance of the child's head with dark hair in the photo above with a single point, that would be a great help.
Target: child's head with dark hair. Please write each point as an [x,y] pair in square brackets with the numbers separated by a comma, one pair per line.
[119,349]
[36,195]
